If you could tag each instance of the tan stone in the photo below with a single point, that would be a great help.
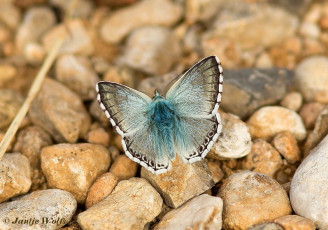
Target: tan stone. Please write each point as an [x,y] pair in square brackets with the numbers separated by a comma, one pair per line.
[10,103]
[183,182]
[7,73]
[263,158]
[15,174]
[217,174]
[74,167]
[309,113]
[60,112]
[131,205]
[123,167]
[271,120]
[251,198]
[98,136]
[101,188]
[287,146]
[292,101]
[294,222]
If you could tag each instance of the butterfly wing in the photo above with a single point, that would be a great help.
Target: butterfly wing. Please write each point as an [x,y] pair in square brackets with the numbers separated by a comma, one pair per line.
[127,110]
[196,97]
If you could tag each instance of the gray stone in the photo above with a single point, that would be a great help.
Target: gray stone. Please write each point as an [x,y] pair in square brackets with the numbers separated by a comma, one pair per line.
[309,187]
[41,210]
[132,205]
[246,90]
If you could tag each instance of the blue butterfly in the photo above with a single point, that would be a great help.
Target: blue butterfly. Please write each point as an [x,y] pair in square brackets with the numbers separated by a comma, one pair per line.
[185,122]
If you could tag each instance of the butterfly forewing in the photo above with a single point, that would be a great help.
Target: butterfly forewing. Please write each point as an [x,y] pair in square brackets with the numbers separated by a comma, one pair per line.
[196,97]
[127,110]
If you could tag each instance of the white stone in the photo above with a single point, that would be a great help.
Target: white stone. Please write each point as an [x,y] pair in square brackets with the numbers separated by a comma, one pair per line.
[309,187]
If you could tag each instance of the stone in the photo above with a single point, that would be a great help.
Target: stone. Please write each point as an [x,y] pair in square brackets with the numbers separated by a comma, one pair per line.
[266,226]
[120,74]
[287,146]
[44,209]
[310,112]
[29,142]
[271,120]
[235,20]
[201,10]
[98,114]
[60,112]
[216,171]
[241,193]
[182,182]
[318,133]
[295,6]
[152,50]
[82,8]
[77,38]
[234,141]
[98,136]
[37,21]
[77,74]
[291,222]
[74,167]
[115,2]
[131,205]
[28,3]
[34,53]
[310,29]
[292,101]
[264,61]
[15,173]
[309,187]
[246,90]
[202,212]
[101,188]
[123,167]
[120,23]
[310,77]
[7,73]
[263,158]
[10,103]
[10,15]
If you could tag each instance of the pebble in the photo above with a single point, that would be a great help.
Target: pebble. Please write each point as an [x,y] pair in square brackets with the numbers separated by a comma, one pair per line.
[29,142]
[115,2]
[120,23]
[246,90]
[201,10]
[264,61]
[216,171]
[310,29]
[82,8]
[300,8]
[132,205]
[76,73]
[271,120]
[234,22]
[310,112]
[101,188]
[287,146]
[10,103]
[34,53]
[202,212]
[309,187]
[98,114]
[98,136]
[120,74]
[310,77]
[28,3]
[241,193]
[123,167]
[74,167]
[15,173]
[7,73]
[291,222]
[182,182]
[234,141]
[292,101]
[266,226]
[10,15]
[263,158]
[152,50]
[60,112]
[318,133]
[45,209]
[37,21]
[77,39]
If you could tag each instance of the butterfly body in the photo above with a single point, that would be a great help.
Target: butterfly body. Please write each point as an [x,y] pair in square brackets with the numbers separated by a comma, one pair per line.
[184,122]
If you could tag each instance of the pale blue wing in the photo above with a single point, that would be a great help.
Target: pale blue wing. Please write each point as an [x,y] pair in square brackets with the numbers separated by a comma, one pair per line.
[196,97]
[127,110]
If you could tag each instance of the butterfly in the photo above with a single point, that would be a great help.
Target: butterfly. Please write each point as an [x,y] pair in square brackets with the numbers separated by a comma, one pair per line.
[184,122]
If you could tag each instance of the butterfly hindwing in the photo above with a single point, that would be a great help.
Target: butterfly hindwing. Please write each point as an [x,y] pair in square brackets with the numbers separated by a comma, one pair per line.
[196,97]
[127,110]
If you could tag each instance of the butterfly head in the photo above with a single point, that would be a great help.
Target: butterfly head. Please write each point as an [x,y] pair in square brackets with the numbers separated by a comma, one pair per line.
[157,96]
